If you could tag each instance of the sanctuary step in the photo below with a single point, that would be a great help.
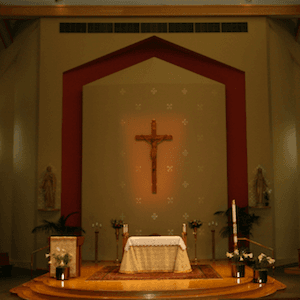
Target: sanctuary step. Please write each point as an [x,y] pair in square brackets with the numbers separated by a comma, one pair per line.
[44,287]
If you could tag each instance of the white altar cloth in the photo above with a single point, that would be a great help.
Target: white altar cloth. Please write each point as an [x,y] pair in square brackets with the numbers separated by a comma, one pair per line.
[155,254]
[155,241]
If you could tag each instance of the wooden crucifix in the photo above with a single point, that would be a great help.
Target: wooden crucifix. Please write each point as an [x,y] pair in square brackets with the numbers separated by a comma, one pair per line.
[154,140]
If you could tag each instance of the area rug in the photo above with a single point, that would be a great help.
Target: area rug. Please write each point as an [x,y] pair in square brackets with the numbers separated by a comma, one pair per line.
[112,273]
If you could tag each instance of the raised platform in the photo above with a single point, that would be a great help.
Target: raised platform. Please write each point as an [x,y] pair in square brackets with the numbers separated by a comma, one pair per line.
[44,287]
[292,270]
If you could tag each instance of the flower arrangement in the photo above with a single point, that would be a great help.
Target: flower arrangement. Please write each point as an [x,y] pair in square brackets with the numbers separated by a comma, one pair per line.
[239,256]
[195,224]
[116,224]
[262,262]
[60,258]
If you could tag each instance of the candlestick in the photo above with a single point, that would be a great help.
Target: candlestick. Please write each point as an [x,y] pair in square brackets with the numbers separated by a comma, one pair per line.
[213,225]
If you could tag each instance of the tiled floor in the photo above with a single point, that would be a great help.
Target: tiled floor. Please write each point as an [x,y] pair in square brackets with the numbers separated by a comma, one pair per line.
[20,276]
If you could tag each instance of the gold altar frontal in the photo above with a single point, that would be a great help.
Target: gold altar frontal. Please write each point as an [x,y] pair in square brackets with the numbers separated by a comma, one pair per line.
[45,287]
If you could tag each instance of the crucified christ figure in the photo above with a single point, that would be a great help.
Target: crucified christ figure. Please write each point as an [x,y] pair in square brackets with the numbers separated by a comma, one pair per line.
[154,140]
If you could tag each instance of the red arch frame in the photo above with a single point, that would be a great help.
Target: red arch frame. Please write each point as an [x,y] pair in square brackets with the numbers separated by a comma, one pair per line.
[75,79]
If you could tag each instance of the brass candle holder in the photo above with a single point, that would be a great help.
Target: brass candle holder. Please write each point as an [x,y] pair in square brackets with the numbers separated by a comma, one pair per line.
[96,226]
[213,226]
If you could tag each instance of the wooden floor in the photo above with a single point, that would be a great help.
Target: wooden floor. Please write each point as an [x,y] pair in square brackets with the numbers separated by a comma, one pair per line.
[44,287]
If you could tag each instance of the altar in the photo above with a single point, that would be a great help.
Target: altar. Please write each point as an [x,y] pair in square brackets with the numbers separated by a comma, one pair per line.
[155,254]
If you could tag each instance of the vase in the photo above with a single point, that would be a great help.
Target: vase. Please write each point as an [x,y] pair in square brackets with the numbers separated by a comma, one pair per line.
[260,276]
[238,270]
[62,273]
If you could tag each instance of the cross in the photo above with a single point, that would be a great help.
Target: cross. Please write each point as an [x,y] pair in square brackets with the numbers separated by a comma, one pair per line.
[154,140]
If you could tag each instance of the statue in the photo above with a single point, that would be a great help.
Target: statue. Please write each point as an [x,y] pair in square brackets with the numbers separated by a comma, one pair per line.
[260,187]
[49,188]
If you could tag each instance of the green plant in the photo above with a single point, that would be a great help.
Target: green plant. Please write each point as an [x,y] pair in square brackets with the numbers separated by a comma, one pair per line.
[59,228]
[245,222]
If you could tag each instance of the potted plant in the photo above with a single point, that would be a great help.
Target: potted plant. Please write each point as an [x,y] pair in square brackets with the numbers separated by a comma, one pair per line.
[238,259]
[245,222]
[60,227]
[260,267]
[61,259]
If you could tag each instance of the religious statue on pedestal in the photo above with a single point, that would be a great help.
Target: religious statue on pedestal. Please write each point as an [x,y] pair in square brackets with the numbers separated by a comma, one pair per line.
[49,188]
[260,187]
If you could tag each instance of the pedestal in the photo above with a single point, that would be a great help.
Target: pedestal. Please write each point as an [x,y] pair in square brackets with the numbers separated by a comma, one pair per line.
[72,245]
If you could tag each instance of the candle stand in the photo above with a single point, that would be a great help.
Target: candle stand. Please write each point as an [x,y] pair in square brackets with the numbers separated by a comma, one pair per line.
[96,226]
[117,262]
[213,225]
[195,261]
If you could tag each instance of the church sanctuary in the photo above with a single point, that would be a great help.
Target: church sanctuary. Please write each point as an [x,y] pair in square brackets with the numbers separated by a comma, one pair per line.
[149,149]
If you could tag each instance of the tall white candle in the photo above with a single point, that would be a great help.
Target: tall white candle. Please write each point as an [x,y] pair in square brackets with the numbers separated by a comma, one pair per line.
[184,227]
[124,228]
[235,240]
[233,212]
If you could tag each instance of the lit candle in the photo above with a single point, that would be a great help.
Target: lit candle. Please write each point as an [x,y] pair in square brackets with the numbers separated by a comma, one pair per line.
[96,224]
[124,228]
[93,225]
[184,227]
[235,240]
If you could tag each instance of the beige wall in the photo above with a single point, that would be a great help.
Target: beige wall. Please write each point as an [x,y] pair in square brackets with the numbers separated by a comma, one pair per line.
[245,51]
[111,156]
[61,52]
[19,119]
[284,103]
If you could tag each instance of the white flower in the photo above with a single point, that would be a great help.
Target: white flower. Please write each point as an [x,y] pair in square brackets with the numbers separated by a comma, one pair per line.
[230,255]
[261,256]
[47,255]
[50,262]
[270,260]
[249,255]
[241,259]
[236,251]
[58,249]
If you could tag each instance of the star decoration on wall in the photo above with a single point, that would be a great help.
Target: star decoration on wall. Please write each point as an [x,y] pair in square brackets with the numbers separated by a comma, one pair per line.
[154,216]
[122,216]
[186,216]
[170,231]
[138,106]
[169,168]
[199,137]
[200,200]
[122,184]
[169,106]
[200,168]
[170,200]
[184,122]
[185,152]
[154,91]
[122,92]
[200,106]
[185,184]
[138,200]
[138,231]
